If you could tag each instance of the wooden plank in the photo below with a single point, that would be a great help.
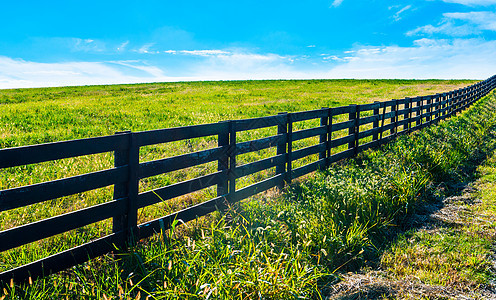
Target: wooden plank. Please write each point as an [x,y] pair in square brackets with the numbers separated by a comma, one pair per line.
[402,122]
[388,115]
[306,133]
[402,111]
[258,187]
[32,232]
[180,189]
[256,145]
[309,168]
[166,165]
[416,118]
[151,137]
[18,156]
[164,223]
[370,119]
[31,194]
[366,133]
[416,99]
[416,109]
[388,127]
[370,106]
[342,110]
[308,115]
[298,154]
[341,155]
[388,103]
[255,123]
[343,125]
[403,101]
[258,166]
[63,260]
[342,140]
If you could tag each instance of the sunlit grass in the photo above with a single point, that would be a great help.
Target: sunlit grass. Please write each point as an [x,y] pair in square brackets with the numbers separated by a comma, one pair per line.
[277,248]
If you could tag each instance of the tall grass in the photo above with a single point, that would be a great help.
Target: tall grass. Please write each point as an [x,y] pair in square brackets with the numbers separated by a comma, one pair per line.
[31,116]
[290,246]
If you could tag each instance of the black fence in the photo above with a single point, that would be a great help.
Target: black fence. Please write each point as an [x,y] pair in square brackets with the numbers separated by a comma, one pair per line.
[365,126]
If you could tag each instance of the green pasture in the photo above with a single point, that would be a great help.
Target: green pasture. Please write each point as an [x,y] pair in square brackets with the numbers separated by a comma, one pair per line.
[31,116]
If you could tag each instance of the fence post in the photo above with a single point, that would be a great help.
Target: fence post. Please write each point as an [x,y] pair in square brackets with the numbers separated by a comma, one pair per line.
[428,118]
[330,114]
[407,115]
[459,100]
[375,124]
[323,137]
[281,147]
[353,115]
[127,191]
[467,99]
[448,104]
[394,118]
[436,108]
[419,107]
[441,106]
[232,161]
[223,162]
[289,166]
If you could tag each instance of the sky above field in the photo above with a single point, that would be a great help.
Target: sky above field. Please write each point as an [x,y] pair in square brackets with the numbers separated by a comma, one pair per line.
[58,43]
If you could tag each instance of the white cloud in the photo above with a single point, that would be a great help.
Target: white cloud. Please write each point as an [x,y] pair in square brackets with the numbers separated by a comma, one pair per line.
[460,24]
[397,15]
[483,20]
[204,52]
[447,28]
[473,2]
[16,73]
[336,3]
[427,58]
[146,48]
[122,46]
[88,45]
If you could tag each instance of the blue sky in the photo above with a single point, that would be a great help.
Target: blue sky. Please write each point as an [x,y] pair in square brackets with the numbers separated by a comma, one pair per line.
[57,43]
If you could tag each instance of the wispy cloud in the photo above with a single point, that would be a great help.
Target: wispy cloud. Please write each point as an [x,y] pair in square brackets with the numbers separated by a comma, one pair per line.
[483,20]
[146,48]
[88,45]
[446,28]
[473,2]
[122,46]
[398,15]
[16,73]
[336,3]
[427,58]
[460,24]
[205,53]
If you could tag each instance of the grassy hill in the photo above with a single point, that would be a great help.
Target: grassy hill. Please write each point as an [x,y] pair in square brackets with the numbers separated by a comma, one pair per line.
[283,240]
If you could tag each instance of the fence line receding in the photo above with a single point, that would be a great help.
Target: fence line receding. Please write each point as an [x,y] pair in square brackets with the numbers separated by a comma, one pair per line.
[365,126]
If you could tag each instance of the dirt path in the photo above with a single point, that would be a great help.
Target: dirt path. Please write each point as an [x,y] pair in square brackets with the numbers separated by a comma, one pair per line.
[466,212]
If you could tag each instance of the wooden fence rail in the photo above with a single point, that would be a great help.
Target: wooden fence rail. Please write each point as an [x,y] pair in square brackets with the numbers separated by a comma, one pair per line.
[364,126]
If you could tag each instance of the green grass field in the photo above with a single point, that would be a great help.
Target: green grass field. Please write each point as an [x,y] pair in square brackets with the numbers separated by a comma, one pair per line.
[31,116]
